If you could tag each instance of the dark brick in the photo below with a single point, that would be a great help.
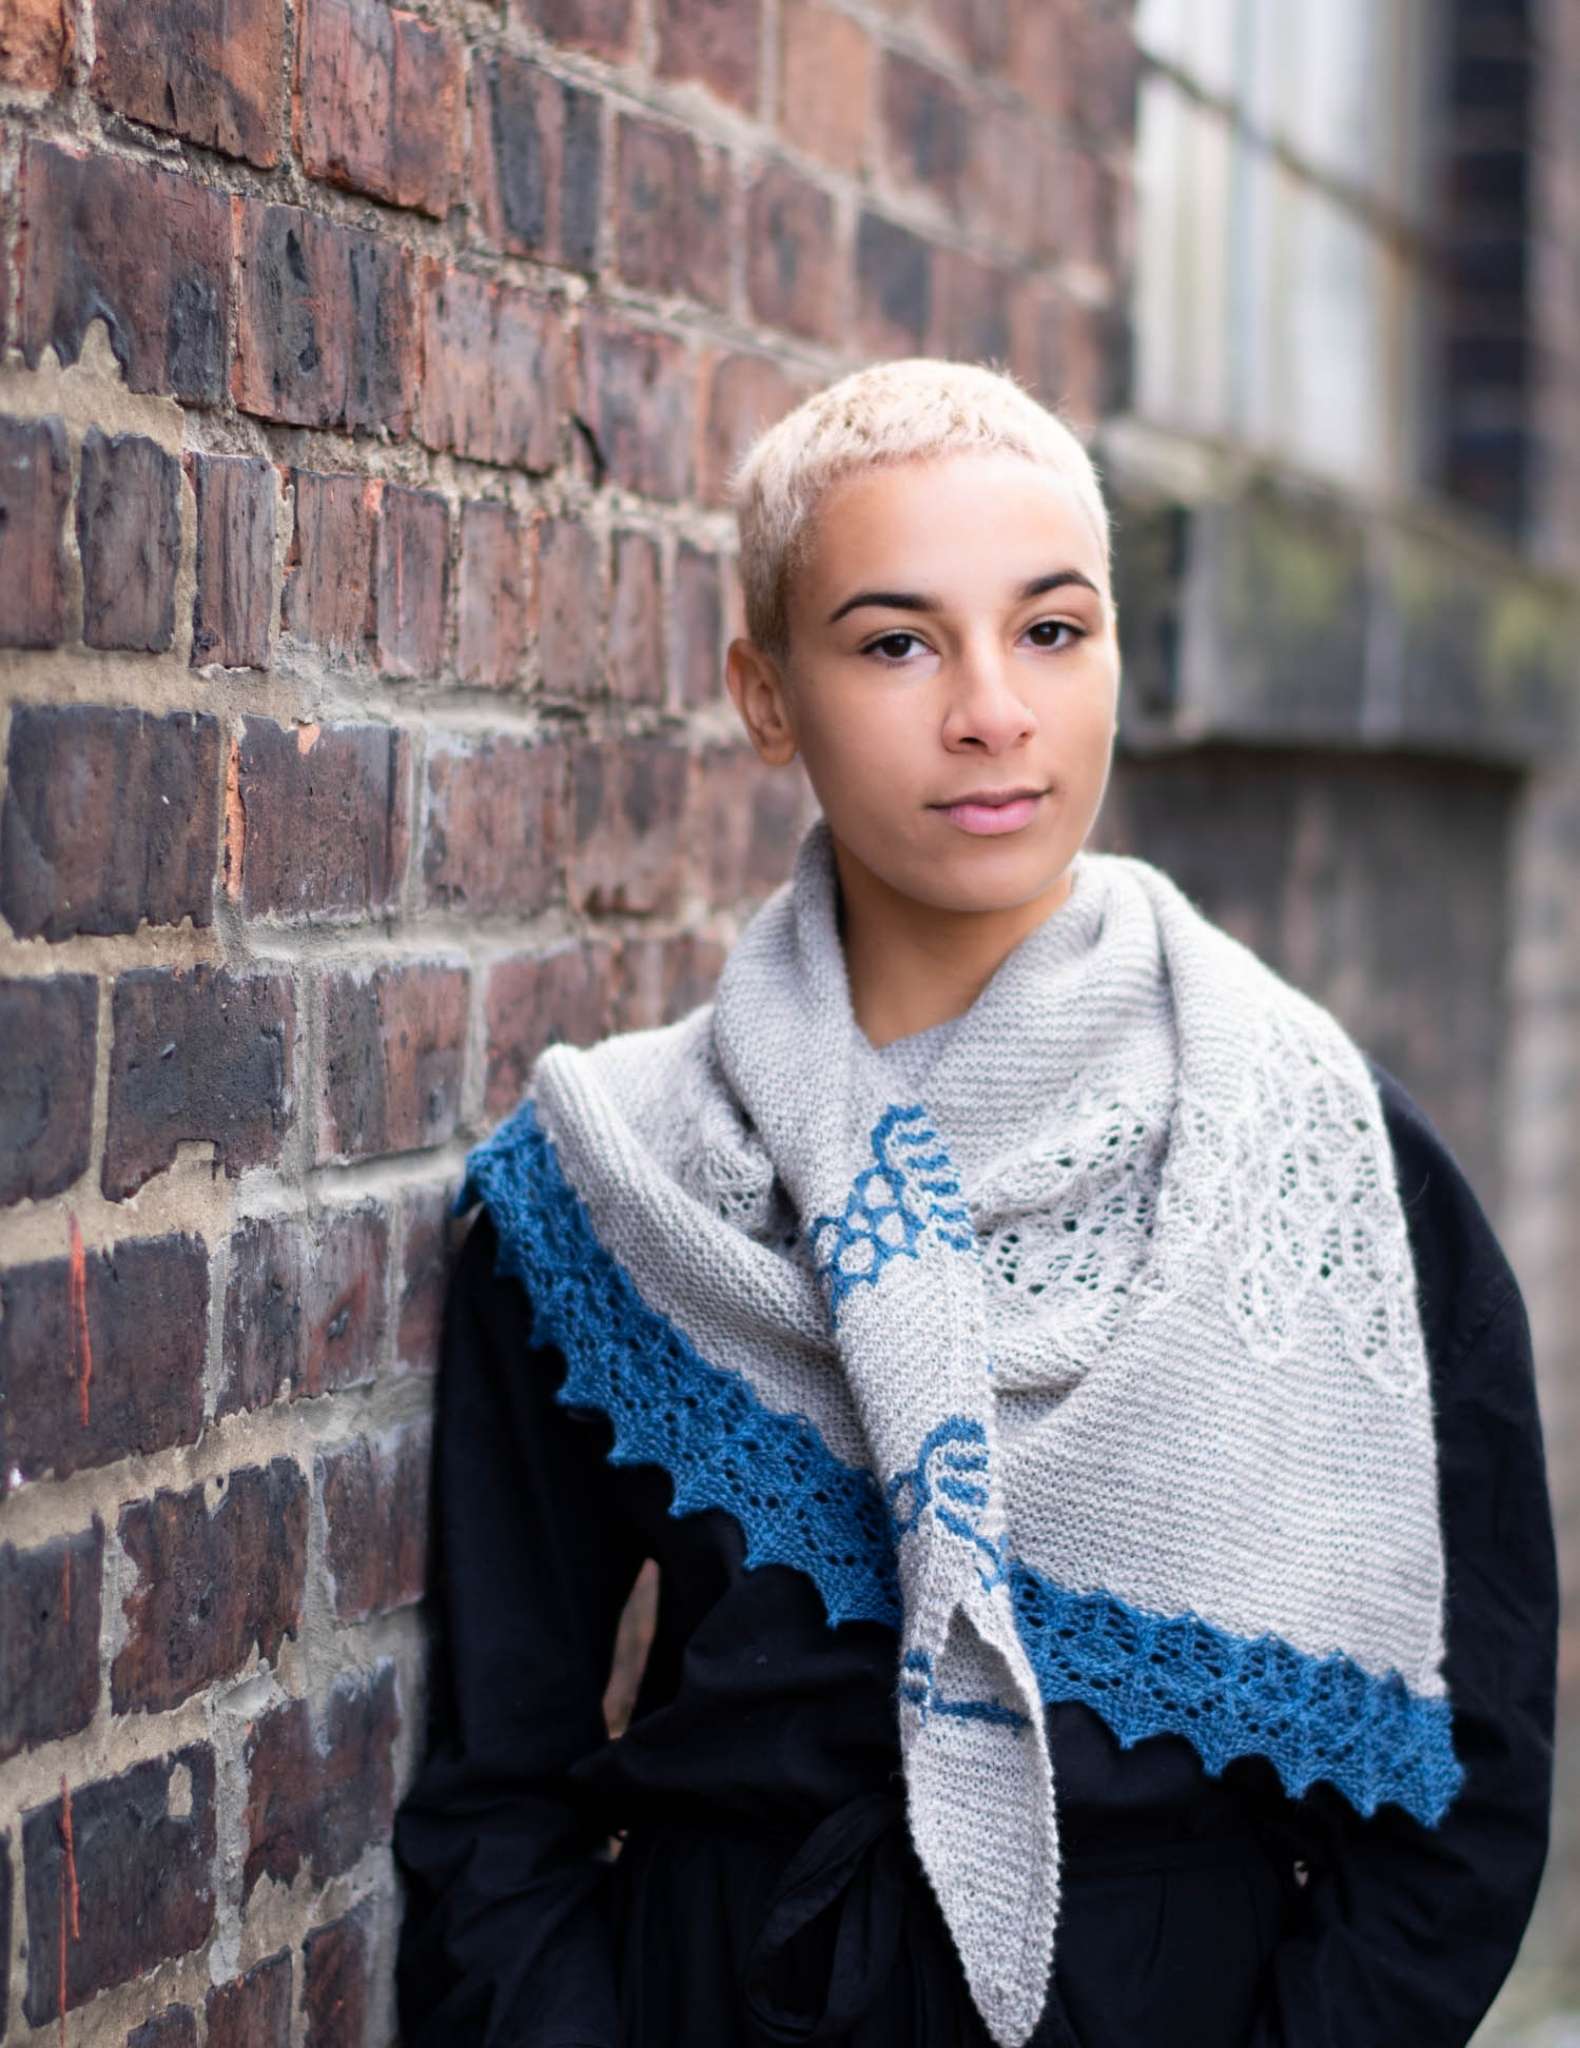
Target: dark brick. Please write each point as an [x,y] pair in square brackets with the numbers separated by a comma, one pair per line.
[304,1305]
[395,1044]
[378,103]
[253,2010]
[411,582]
[49,1623]
[121,1868]
[661,979]
[326,333]
[792,269]
[327,596]
[494,830]
[756,815]
[35,482]
[672,211]
[111,818]
[144,250]
[714,41]
[628,814]
[209,71]
[375,1499]
[316,819]
[572,607]
[825,84]
[894,287]
[210,1585]
[233,606]
[101,1355]
[602,26]
[494,603]
[640,404]
[129,537]
[175,2027]
[427,1252]
[337,1963]
[745,393]
[697,613]
[636,621]
[537,160]
[496,370]
[201,1057]
[36,38]
[926,127]
[971,308]
[319,1803]
[50,1029]
[537,1000]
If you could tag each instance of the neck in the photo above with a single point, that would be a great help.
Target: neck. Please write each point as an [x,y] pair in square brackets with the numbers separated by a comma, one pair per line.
[911,965]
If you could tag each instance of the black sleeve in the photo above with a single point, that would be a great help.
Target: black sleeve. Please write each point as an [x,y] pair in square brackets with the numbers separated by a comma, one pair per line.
[505,1938]
[1408,1931]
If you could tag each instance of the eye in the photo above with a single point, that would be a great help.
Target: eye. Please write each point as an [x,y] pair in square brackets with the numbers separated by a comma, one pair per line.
[891,658]
[1056,626]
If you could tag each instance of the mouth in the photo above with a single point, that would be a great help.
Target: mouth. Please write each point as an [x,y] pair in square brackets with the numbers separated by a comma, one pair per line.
[987,811]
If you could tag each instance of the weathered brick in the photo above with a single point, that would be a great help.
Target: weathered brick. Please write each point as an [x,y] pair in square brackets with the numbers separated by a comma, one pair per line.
[35,482]
[327,596]
[792,261]
[602,26]
[825,83]
[697,617]
[978,29]
[494,608]
[129,537]
[111,817]
[926,127]
[971,308]
[146,251]
[672,197]
[636,621]
[304,1305]
[572,605]
[337,1963]
[378,102]
[210,73]
[395,1044]
[202,1057]
[494,825]
[36,39]
[49,1623]
[536,1000]
[119,1872]
[210,1585]
[50,1030]
[175,2027]
[375,1499]
[640,404]
[326,326]
[427,1253]
[101,1356]
[233,606]
[662,978]
[253,2010]
[894,287]
[496,370]
[318,1802]
[714,41]
[411,582]
[317,820]
[628,812]
[745,393]
[755,817]
[537,147]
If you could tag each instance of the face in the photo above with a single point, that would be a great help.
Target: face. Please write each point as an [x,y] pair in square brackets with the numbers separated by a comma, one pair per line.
[953,680]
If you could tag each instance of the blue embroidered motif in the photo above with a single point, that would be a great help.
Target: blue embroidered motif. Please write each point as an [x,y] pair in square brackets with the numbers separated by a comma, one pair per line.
[891,1204]
[919,1688]
[948,1454]
[797,1504]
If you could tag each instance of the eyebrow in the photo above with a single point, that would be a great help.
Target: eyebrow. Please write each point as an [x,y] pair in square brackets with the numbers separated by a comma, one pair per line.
[921,601]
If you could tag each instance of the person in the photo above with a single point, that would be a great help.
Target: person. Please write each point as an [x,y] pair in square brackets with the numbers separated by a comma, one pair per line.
[1081,1415]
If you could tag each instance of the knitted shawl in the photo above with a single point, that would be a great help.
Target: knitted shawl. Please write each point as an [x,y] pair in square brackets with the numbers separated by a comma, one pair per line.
[1094,1367]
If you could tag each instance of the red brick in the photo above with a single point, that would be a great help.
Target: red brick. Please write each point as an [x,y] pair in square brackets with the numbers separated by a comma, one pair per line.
[337,1988]
[201,1057]
[926,127]
[175,2027]
[129,537]
[427,1253]
[210,1586]
[145,250]
[494,602]
[411,583]
[327,596]
[756,815]
[894,287]
[320,1803]
[496,370]
[636,621]
[978,29]
[1023,183]
[36,40]
[745,393]
[378,103]
[572,604]
[825,84]
[253,2010]
[209,73]
[50,1029]
[494,825]
[233,608]
[101,1356]
[664,978]
[395,1044]
[537,148]
[326,326]
[628,813]
[971,308]
[139,1879]
[537,1000]
[49,1623]
[375,1499]
[672,211]
[697,614]
[35,482]
[1062,351]
[602,26]
[640,404]
[1102,106]
[111,817]
[792,268]
[713,41]
[317,822]
[304,1306]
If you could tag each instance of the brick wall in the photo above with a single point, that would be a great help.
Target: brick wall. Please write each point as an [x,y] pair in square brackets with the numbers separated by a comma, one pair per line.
[368,380]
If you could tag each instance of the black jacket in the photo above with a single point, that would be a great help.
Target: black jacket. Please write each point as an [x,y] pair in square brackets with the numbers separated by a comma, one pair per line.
[765,1889]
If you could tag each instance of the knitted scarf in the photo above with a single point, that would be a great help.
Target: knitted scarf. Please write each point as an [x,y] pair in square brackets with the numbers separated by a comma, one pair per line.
[1094,1365]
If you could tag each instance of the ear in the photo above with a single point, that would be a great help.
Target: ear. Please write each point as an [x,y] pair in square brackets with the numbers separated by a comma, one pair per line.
[757,689]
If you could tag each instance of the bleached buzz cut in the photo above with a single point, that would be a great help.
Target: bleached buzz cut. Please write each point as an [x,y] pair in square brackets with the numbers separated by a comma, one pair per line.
[912,409]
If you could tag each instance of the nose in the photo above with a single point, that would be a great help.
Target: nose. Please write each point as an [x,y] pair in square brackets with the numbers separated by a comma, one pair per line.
[986,709]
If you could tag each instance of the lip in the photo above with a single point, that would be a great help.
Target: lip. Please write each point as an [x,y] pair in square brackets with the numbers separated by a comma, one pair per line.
[984,812]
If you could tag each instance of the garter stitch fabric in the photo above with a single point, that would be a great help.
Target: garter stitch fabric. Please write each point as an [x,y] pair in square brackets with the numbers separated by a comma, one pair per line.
[1078,1338]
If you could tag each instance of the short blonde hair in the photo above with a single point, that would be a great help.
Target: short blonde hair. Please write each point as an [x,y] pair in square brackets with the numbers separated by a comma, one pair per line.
[912,409]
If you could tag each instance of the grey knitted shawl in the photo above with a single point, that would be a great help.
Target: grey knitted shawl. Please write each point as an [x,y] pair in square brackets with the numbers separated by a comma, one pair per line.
[1094,1364]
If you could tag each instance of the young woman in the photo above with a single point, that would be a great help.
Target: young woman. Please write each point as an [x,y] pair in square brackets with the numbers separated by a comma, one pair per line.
[1082,1417]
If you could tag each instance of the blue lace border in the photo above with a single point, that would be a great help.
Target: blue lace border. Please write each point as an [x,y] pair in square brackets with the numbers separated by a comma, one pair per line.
[1312,1718]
